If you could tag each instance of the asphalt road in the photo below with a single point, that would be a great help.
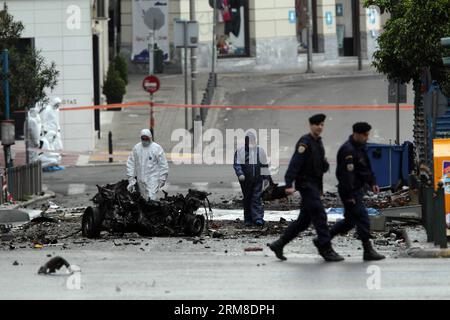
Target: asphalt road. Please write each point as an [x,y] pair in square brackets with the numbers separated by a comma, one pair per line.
[292,124]
[188,271]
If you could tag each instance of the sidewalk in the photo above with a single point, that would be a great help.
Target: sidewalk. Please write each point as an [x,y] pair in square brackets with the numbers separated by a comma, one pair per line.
[418,247]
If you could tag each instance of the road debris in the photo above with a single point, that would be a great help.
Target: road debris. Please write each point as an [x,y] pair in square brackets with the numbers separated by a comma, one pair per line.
[250,249]
[54,264]
[15,263]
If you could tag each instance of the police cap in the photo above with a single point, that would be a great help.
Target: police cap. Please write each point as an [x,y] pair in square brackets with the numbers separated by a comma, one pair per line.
[317,118]
[361,127]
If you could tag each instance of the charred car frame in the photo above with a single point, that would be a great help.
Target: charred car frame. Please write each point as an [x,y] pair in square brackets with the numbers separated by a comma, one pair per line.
[119,211]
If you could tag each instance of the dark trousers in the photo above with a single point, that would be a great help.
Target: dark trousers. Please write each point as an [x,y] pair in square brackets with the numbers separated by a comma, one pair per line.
[311,210]
[354,215]
[252,192]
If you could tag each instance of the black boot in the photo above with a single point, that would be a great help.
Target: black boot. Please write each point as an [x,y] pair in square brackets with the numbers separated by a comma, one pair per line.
[369,252]
[327,252]
[277,247]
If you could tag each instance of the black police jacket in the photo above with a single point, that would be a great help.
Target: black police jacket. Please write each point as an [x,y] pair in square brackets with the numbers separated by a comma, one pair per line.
[308,163]
[353,170]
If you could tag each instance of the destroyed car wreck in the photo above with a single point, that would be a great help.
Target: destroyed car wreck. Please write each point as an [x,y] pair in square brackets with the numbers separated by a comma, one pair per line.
[118,211]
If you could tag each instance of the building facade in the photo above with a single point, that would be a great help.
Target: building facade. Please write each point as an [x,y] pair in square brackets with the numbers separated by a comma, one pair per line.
[65,32]
[260,34]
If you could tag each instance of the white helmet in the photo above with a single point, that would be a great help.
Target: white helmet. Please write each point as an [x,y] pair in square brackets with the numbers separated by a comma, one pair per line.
[146,133]
[33,112]
[56,102]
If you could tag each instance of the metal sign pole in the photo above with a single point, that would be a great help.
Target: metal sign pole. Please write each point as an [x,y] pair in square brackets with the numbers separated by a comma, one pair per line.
[397,114]
[214,46]
[186,95]
[192,14]
[309,32]
[152,117]
[151,66]
[6,147]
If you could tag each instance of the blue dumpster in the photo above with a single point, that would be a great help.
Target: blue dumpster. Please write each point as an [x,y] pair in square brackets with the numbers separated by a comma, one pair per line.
[390,164]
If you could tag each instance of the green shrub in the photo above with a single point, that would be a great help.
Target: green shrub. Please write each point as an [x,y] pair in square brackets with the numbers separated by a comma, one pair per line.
[114,87]
[121,66]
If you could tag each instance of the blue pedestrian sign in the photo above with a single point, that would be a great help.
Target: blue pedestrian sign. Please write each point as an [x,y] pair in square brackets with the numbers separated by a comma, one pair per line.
[329,18]
[372,16]
[292,16]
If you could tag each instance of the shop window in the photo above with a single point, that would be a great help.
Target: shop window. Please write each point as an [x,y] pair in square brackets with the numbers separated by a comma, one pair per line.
[232,28]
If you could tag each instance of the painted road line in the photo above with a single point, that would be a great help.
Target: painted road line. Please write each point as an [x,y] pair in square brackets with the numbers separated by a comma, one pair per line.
[235,185]
[202,186]
[171,187]
[76,188]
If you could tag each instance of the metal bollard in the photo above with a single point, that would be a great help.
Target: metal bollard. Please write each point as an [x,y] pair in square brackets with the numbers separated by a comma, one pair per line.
[440,227]
[110,147]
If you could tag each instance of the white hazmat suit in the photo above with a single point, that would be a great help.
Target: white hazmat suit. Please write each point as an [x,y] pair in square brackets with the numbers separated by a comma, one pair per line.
[34,132]
[49,159]
[147,166]
[50,121]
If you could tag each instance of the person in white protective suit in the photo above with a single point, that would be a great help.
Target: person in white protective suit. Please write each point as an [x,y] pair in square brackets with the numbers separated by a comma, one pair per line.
[48,158]
[34,132]
[50,121]
[147,166]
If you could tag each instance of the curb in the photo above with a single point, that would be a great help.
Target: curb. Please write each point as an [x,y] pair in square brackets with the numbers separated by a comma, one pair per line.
[422,253]
[47,195]
[417,252]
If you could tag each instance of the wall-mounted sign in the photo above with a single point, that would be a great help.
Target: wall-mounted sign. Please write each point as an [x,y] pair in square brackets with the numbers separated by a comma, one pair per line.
[150,15]
[339,10]
[292,16]
[328,18]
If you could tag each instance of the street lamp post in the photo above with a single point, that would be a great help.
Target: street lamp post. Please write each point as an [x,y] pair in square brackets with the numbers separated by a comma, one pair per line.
[310,38]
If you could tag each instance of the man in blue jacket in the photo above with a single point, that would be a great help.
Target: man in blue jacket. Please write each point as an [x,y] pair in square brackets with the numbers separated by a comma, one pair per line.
[251,168]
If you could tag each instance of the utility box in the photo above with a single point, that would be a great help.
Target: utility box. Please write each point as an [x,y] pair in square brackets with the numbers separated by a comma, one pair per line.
[441,160]
[386,164]
[8,132]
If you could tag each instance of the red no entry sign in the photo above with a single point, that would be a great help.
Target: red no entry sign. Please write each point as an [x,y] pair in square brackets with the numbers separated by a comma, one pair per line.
[151,84]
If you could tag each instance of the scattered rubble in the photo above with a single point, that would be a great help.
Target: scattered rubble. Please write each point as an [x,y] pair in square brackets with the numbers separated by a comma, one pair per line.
[251,249]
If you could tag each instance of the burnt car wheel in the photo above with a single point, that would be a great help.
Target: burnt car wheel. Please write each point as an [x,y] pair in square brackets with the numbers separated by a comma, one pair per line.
[195,225]
[91,225]
[145,232]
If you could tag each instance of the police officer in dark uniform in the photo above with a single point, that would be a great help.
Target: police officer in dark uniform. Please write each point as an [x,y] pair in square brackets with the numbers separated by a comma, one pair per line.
[306,168]
[354,172]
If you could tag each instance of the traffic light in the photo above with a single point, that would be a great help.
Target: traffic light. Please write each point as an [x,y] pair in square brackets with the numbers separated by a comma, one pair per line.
[446,44]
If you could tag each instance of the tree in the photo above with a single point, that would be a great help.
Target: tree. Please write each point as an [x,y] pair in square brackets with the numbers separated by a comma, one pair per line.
[410,44]
[411,39]
[29,74]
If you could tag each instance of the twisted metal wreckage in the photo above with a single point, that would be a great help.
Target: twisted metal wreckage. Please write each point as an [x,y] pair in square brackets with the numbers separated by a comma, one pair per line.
[117,210]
